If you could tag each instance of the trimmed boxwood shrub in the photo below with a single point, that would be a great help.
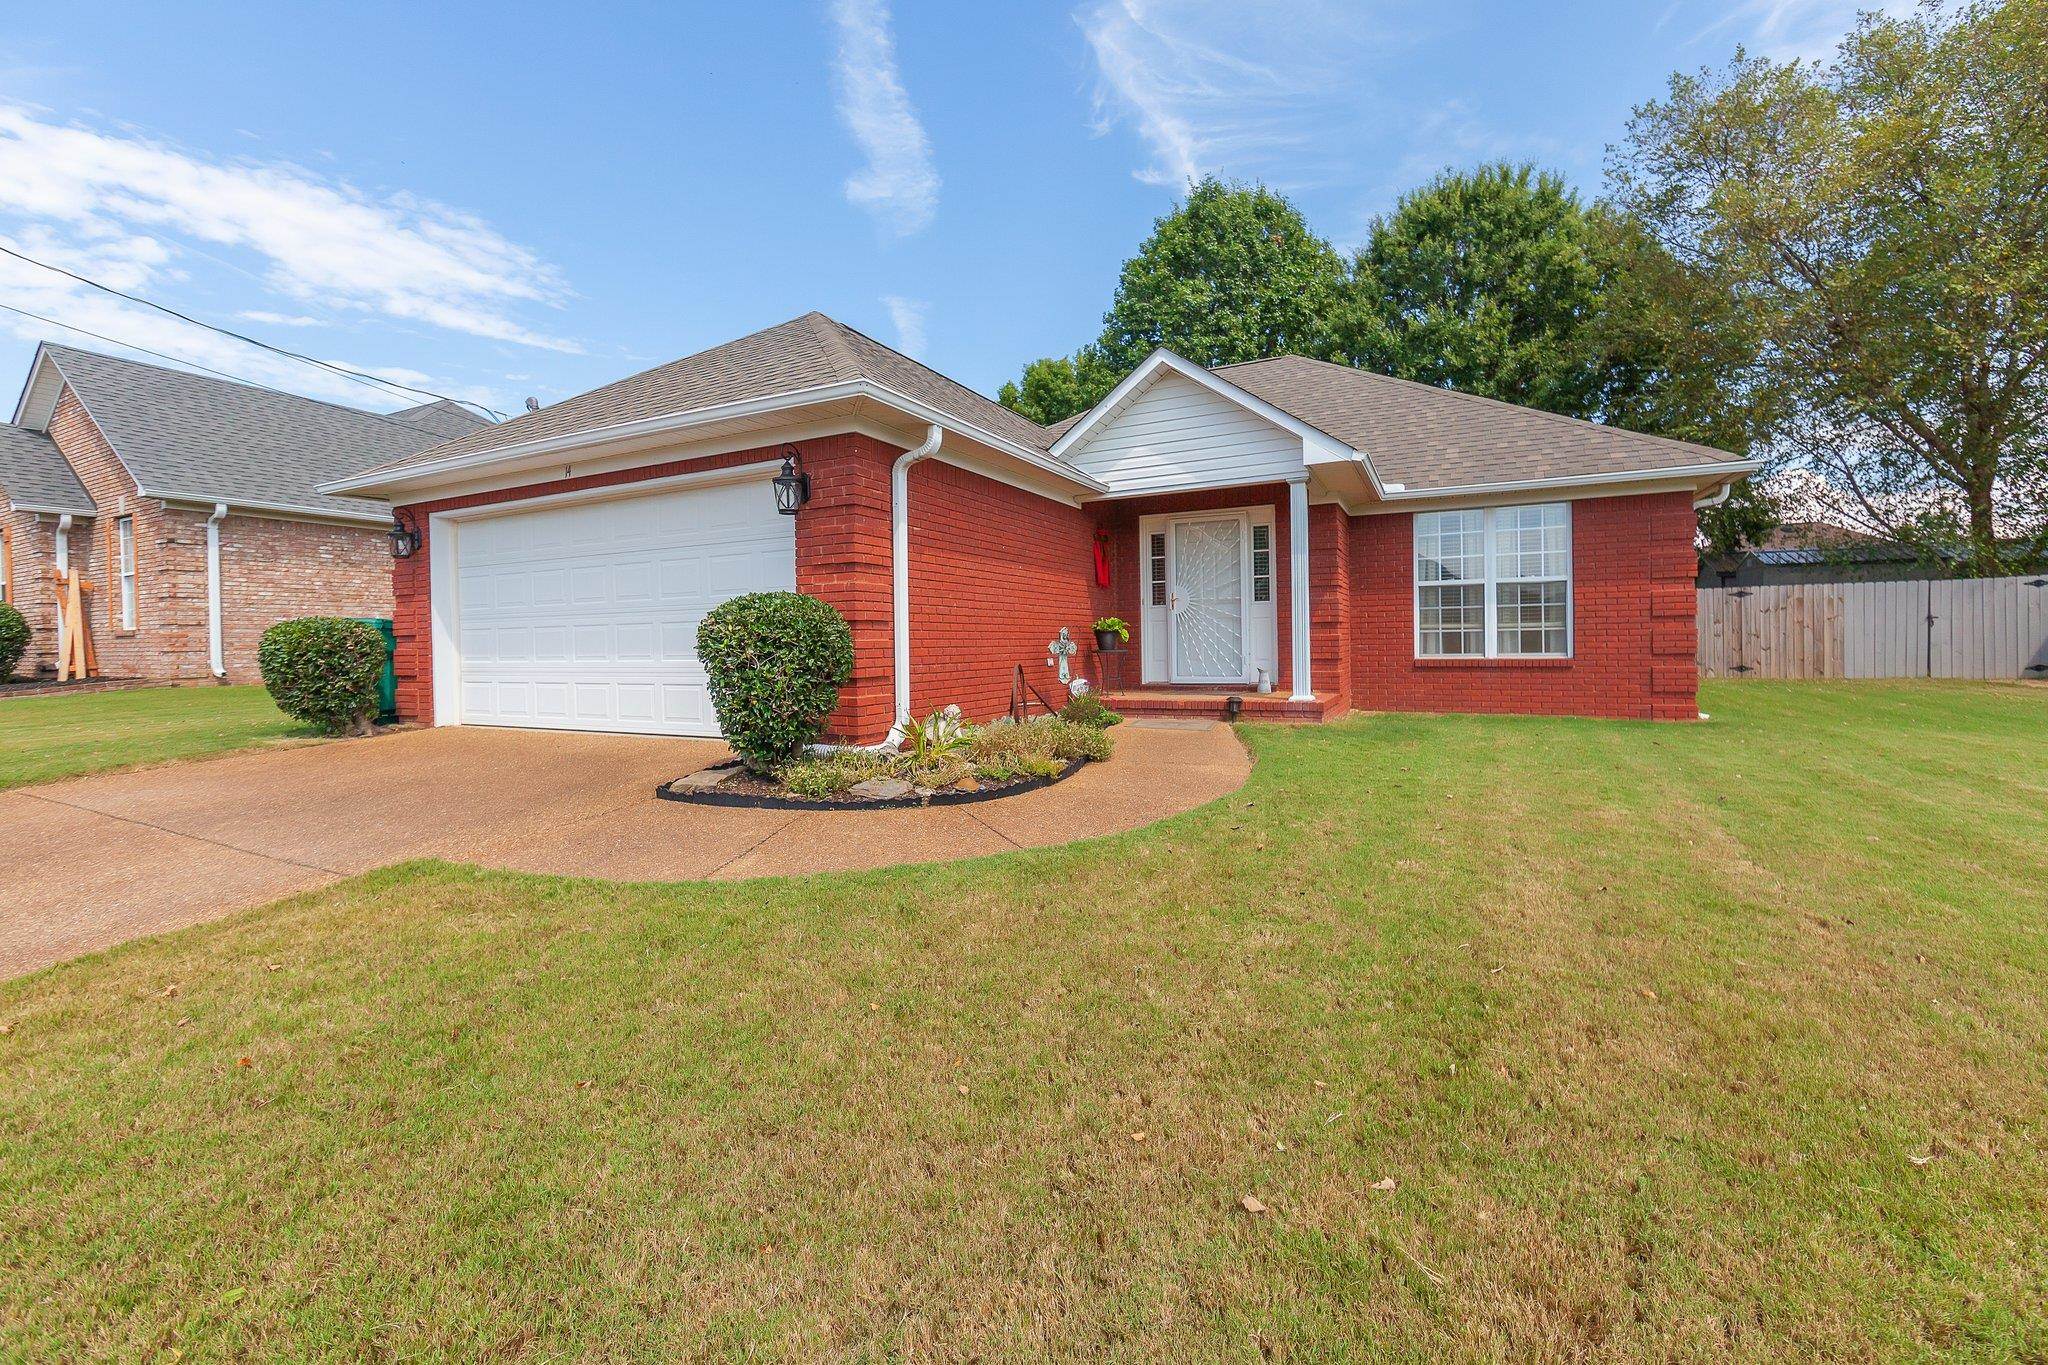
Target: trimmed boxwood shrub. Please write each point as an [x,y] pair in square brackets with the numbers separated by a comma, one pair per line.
[13,639]
[776,661]
[325,670]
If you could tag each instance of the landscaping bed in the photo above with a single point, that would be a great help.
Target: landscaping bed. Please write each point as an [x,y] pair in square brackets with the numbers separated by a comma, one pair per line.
[942,763]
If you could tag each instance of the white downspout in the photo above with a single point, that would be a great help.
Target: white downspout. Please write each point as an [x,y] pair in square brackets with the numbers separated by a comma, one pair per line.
[1702,504]
[63,549]
[899,569]
[214,655]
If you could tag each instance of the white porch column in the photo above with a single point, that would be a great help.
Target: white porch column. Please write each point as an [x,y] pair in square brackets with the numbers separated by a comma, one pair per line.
[1297,560]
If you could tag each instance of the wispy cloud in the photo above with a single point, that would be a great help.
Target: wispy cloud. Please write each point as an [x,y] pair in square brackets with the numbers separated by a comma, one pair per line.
[314,239]
[907,317]
[1230,87]
[270,319]
[899,185]
[1785,29]
[86,317]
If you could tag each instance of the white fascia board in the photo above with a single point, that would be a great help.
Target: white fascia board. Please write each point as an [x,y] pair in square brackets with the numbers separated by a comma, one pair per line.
[1729,469]
[695,417]
[38,401]
[285,510]
[52,509]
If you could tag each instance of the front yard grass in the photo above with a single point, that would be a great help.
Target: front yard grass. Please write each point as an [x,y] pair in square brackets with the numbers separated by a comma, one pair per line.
[1535,1039]
[43,739]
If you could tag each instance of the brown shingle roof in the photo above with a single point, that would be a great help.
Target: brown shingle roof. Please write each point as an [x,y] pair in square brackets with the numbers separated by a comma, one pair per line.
[1424,437]
[803,353]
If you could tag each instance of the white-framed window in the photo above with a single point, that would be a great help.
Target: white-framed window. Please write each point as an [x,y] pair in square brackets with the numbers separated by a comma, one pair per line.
[1494,582]
[124,544]
[1262,562]
[1156,567]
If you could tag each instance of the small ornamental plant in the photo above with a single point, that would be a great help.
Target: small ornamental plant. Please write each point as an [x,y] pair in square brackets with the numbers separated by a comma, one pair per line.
[324,670]
[13,639]
[776,661]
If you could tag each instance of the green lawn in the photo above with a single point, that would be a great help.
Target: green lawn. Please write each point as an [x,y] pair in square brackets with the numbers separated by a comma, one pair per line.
[45,738]
[1536,1039]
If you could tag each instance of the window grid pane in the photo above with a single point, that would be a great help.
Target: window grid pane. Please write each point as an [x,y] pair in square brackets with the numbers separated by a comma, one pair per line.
[1530,618]
[1454,619]
[1262,563]
[1450,547]
[125,528]
[1494,583]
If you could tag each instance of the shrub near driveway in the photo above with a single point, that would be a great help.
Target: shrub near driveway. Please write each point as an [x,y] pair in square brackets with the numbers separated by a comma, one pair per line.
[14,636]
[324,670]
[776,661]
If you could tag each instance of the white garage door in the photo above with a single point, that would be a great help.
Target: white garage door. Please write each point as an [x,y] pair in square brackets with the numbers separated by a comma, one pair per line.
[584,616]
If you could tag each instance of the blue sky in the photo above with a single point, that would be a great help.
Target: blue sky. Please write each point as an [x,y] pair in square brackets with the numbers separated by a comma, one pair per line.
[496,201]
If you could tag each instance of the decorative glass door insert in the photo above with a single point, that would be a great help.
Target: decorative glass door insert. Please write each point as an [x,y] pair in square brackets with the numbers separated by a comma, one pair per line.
[1208,600]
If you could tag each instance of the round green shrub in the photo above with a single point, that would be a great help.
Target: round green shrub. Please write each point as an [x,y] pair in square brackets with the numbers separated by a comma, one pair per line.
[776,662]
[325,670]
[13,639]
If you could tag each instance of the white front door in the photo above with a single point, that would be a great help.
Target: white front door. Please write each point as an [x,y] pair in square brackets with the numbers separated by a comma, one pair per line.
[583,615]
[1209,571]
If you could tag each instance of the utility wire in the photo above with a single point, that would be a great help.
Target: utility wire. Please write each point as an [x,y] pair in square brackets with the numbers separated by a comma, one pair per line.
[342,370]
[195,365]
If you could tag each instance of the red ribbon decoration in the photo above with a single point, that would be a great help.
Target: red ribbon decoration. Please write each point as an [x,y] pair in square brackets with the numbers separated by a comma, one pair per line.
[1102,559]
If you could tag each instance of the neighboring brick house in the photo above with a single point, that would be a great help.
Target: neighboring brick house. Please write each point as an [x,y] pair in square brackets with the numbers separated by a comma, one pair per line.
[1345,539]
[192,505]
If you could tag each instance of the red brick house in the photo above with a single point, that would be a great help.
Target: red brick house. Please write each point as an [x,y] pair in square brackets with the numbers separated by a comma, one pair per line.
[192,505]
[1353,541]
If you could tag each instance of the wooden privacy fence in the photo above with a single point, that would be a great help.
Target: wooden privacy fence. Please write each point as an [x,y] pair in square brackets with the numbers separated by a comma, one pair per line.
[1934,628]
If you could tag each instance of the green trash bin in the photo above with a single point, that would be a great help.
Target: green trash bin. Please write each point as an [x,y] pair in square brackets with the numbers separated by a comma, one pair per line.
[387,686]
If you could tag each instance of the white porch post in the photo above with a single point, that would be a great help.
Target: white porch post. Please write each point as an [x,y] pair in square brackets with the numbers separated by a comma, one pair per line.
[1297,560]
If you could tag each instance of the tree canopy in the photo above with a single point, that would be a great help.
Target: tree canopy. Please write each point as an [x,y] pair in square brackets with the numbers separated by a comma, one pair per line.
[1484,281]
[1883,223]
[1232,273]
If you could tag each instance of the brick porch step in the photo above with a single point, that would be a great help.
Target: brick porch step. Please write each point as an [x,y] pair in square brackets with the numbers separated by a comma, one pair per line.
[1213,704]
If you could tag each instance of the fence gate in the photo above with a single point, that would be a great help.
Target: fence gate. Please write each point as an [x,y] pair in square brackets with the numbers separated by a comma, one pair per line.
[1933,628]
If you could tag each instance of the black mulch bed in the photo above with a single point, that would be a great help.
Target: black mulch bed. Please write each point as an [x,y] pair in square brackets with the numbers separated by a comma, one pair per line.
[745,789]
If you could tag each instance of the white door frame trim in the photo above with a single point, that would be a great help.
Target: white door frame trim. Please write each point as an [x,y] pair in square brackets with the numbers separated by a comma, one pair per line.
[1174,521]
[443,529]
[1297,563]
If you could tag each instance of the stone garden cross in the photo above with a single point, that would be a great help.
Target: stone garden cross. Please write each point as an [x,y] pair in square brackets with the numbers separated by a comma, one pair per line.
[1059,651]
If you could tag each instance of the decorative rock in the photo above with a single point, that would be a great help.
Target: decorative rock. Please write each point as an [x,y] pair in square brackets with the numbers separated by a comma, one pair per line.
[707,777]
[880,789]
[967,784]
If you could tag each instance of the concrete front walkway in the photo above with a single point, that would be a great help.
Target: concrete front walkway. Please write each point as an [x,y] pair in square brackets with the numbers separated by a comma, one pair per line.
[100,860]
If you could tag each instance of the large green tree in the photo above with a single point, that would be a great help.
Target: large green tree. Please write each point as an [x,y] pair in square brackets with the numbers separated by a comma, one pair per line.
[1232,273]
[1484,281]
[1883,224]
[1500,281]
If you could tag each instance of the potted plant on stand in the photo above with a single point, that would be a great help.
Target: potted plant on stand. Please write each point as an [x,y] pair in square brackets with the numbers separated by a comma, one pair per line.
[1111,633]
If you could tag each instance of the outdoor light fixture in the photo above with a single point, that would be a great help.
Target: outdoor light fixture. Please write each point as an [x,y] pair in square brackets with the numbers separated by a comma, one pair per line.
[792,486]
[405,534]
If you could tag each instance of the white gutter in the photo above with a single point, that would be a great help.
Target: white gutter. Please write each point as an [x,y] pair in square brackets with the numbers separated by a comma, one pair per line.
[1702,504]
[214,654]
[899,569]
[291,509]
[63,548]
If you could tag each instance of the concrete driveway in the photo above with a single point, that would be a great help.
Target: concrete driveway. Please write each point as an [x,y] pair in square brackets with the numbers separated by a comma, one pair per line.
[97,861]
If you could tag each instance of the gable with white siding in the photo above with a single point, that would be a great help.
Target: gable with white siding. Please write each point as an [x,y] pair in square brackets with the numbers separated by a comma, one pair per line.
[1176,434]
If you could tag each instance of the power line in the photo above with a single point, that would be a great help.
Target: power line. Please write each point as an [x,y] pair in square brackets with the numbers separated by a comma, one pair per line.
[195,365]
[342,370]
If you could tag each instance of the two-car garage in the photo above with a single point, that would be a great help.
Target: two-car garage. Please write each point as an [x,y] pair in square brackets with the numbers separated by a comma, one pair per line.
[582,614]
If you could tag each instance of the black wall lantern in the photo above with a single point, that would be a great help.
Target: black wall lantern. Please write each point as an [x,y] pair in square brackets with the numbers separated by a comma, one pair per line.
[405,534]
[792,485]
